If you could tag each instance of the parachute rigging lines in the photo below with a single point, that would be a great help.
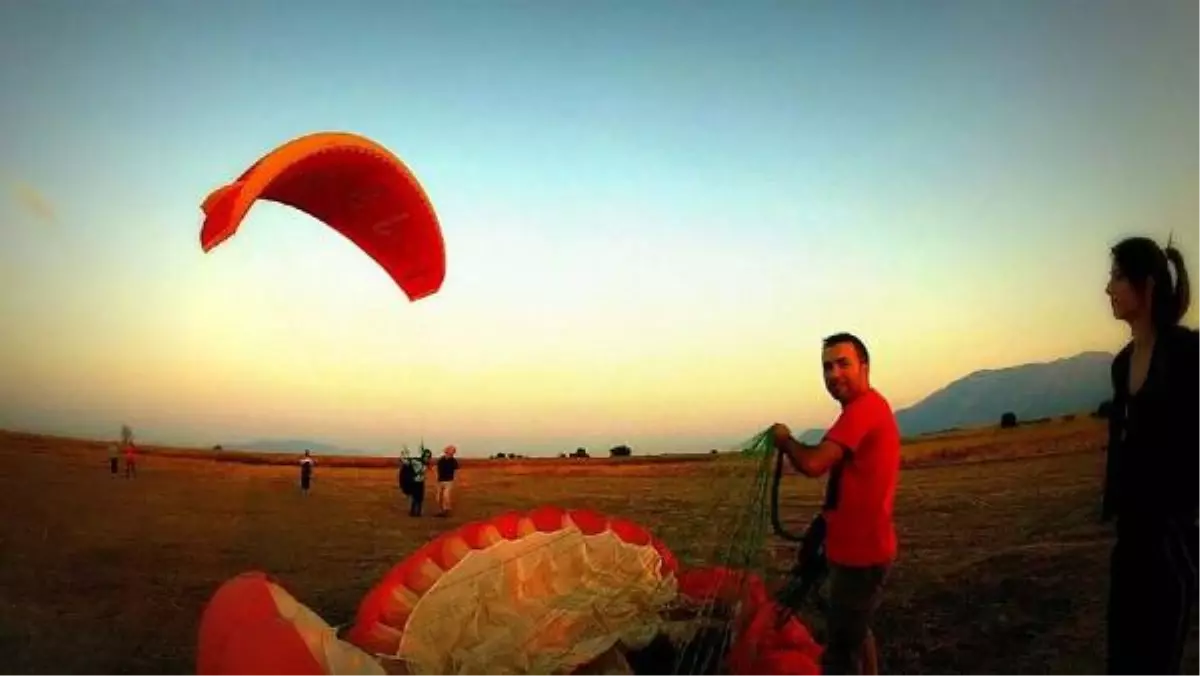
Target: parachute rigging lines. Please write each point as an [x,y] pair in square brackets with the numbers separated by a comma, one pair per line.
[551,590]
[353,185]
[554,589]
[731,563]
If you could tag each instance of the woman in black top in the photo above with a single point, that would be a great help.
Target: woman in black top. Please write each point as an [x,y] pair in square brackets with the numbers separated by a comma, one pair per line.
[1153,462]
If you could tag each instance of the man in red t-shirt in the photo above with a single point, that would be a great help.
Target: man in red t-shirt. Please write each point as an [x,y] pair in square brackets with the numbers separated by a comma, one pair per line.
[861,452]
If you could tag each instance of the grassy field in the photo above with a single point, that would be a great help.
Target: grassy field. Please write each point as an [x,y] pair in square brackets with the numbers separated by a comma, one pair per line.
[1003,563]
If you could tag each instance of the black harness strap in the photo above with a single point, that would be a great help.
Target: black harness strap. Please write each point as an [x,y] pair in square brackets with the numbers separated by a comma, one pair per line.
[811,566]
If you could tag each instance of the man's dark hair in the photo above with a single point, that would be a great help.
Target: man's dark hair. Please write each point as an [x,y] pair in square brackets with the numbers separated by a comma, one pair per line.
[859,347]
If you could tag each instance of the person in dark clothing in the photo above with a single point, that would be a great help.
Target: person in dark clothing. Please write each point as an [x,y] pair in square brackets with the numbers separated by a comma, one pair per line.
[306,470]
[416,493]
[404,475]
[1153,461]
[447,465]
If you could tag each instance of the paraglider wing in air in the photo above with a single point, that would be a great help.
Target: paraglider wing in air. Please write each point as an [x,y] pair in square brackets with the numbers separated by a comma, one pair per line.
[353,185]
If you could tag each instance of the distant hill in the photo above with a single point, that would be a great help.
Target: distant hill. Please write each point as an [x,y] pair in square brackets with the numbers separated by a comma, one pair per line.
[1031,391]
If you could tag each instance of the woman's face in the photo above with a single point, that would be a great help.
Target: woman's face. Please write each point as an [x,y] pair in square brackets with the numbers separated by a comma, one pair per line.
[1127,303]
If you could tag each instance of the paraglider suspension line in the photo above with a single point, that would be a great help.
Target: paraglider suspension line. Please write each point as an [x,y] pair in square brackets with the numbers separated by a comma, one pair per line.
[811,567]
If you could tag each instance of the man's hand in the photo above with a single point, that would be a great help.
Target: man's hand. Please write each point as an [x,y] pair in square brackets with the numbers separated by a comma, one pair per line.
[812,461]
[780,434]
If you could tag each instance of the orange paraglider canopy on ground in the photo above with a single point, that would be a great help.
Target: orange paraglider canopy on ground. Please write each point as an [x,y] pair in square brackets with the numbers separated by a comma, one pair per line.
[253,626]
[353,185]
[545,591]
[536,592]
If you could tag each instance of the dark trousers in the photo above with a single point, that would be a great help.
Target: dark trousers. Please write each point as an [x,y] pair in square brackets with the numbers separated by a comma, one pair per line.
[854,596]
[417,496]
[1152,590]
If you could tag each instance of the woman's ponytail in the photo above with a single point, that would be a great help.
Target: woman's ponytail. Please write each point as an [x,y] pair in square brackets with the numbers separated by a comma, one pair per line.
[1182,293]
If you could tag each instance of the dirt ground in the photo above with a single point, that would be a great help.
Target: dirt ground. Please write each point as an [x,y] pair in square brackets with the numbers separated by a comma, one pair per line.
[1003,566]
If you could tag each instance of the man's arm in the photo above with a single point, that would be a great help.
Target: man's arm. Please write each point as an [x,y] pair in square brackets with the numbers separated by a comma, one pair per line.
[857,421]
[811,461]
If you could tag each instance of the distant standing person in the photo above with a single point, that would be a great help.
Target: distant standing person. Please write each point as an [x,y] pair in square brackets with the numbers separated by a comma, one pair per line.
[114,458]
[130,461]
[1150,478]
[404,472]
[306,471]
[861,452]
[447,465]
[416,493]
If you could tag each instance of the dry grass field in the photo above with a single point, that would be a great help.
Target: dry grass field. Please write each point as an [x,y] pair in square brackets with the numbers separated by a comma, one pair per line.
[1003,563]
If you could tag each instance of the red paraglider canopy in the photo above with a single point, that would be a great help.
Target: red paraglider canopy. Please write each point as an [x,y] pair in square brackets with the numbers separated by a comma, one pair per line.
[544,591]
[355,186]
[536,592]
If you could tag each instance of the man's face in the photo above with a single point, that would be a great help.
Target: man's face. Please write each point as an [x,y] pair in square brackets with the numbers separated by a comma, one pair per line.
[845,374]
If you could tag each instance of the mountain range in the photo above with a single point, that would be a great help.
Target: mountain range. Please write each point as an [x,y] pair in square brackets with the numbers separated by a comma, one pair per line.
[1038,390]
[296,446]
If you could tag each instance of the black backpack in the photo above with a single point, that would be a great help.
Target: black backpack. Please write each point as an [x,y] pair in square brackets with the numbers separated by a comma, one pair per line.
[407,477]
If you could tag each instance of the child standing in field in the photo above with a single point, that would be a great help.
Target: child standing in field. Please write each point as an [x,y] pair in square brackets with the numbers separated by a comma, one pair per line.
[306,470]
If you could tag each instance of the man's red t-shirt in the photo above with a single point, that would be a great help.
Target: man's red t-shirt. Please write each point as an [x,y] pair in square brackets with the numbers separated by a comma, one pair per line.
[860,528]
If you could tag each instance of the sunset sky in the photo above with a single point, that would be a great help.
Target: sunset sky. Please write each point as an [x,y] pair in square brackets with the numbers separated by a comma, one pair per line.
[654,210]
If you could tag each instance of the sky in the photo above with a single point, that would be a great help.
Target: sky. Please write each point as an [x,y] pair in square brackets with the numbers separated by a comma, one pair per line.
[653,211]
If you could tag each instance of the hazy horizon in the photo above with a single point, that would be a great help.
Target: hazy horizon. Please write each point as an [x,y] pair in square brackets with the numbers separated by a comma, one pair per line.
[392,444]
[652,216]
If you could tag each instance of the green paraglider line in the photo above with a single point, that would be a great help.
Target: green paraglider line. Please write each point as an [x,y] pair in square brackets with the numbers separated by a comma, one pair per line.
[776,524]
[810,567]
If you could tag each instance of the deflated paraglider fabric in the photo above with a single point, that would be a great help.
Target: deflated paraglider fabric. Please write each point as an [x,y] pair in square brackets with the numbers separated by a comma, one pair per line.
[252,626]
[761,643]
[540,592]
[546,591]
[353,185]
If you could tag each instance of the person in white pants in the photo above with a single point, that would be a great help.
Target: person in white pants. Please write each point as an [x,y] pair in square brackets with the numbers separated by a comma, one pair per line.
[446,467]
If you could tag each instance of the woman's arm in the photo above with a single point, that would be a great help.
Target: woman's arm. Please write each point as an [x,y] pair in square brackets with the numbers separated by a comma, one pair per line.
[1118,373]
[1183,426]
